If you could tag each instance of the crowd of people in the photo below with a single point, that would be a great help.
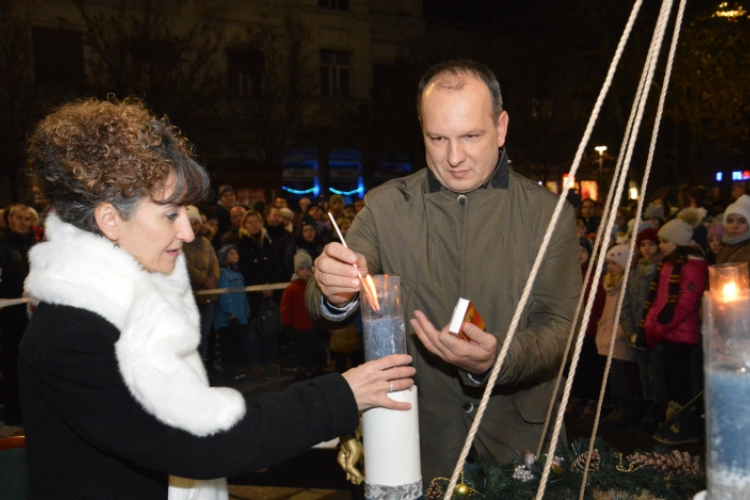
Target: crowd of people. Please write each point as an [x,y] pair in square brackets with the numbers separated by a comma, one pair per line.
[236,245]
[656,370]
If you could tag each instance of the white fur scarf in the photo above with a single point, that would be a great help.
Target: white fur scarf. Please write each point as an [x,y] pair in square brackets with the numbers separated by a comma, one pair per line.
[159,333]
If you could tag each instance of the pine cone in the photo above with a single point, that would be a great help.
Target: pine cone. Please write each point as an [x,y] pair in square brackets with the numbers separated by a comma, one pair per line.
[580,462]
[434,492]
[672,463]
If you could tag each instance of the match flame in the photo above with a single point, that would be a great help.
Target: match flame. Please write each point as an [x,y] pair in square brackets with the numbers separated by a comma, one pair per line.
[371,292]
[730,291]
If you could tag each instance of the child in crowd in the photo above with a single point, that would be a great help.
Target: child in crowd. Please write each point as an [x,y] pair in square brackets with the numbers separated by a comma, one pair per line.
[671,318]
[588,377]
[650,361]
[715,240]
[623,357]
[231,314]
[308,341]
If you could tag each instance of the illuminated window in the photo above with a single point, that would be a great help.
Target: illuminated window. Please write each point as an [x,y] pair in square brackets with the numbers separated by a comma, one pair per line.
[736,175]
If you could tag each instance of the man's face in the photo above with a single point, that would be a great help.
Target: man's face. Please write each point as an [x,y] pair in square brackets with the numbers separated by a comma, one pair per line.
[460,135]
[274,217]
[235,216]
[316,212]
[228,199]
[738,189]
[359,205]
[304,205]
[337,207]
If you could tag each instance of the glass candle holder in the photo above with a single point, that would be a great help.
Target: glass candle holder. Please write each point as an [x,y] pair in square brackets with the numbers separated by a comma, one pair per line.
[383,328]
[726,355]
[725,277]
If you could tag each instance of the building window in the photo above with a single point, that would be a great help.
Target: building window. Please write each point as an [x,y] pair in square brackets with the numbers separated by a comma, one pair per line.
[335,68]
[334,4]
[154,64]
[58,58]
[245,68]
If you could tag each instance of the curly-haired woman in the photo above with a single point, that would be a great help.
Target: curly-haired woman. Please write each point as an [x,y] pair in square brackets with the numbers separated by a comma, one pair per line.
[115,396]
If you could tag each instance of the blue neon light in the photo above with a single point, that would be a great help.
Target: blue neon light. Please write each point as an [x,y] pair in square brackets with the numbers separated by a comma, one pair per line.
[297,191]
[719,176]
[345,193]
[737,175]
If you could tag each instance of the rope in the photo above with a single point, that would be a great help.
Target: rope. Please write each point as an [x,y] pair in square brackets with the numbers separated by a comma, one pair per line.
[215,291]
[649,71]
[540,256]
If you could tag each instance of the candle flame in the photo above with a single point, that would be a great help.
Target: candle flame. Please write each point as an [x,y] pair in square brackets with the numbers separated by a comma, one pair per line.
[371,292]
[730,290]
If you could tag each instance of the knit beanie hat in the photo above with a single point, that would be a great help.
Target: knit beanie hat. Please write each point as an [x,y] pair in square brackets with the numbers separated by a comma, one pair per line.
[193,213]
[741,206]
[221,255]
[680,229]
[716,230]
[302,259]
[619,255]
[649,234]
[586,244]
[654,212]
[307,221]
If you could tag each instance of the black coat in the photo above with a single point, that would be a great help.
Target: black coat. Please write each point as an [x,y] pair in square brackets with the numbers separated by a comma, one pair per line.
[14,262]
[258,264]
[88,438]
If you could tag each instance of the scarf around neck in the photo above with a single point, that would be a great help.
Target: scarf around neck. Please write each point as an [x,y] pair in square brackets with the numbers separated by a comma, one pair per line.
[159,332]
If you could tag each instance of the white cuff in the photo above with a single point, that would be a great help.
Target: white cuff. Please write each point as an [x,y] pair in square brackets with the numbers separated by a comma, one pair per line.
[336,313]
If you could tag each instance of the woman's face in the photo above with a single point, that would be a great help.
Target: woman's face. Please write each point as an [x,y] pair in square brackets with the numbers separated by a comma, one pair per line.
[20,222]
[155,234]
[614,268]
[253,225]
[583,255]
[648,249]
[666,247]
[588,209]
[308,233]
[735,225]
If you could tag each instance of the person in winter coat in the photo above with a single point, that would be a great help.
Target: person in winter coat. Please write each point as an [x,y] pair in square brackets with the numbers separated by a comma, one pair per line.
[308,340]
[305,239]
[115,397]
[672,321]
[232,314]
[736,232]
[15,243]
[590,371]
[623,356]
[203,270]
[464,227]
[650,361]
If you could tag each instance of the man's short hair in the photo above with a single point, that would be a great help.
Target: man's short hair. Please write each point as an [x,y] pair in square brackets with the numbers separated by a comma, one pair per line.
[458,67]
[226,188]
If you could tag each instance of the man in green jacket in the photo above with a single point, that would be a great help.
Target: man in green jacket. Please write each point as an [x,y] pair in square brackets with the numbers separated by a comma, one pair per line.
[464,227]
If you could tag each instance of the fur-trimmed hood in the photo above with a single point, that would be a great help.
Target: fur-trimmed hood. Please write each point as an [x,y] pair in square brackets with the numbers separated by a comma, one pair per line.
[157,319]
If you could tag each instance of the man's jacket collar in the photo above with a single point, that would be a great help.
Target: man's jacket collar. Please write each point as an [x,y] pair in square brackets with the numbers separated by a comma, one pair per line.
[498,179]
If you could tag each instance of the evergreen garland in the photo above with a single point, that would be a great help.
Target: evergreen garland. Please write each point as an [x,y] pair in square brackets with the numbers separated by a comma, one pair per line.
[486,480]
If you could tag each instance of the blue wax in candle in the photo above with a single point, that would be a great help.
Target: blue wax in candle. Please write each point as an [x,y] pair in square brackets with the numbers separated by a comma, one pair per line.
[728,412]
[383,337]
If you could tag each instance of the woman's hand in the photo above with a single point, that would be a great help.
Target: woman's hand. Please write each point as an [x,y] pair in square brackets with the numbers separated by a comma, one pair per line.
[372,381]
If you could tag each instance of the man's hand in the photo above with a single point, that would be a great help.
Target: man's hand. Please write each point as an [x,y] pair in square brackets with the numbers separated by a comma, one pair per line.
[475,356]
[336,273]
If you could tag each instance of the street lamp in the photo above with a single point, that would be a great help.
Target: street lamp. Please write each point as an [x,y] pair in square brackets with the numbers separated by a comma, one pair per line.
[600,150]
